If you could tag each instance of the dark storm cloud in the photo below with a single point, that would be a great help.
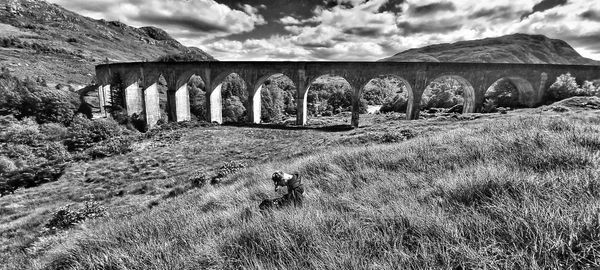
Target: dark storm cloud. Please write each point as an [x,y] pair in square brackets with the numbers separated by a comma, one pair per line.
[190,23]
[545,5]
[428,28]
[591,15]
[504,12]
[364,31]
[392,6]
[432,8]
[329,4]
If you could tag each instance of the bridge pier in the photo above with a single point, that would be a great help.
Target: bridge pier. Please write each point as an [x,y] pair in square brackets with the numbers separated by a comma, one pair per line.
[152,105]
[134,103]
[255,104]
[179,104]
[214,104]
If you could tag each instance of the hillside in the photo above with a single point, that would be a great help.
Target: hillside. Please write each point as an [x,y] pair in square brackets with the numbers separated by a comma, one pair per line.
[517,48]
[38,39]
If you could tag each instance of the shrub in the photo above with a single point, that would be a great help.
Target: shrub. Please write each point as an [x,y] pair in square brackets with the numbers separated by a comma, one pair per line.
[67,216]
[54,151]
[111,147]
[32,98]
[565,86]
[23,132]
[233,110]
[54,131]
[83,132]
[397,103]
[6,165]
[489,106]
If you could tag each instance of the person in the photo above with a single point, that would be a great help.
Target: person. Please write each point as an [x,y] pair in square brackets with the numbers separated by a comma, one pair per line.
[295,191]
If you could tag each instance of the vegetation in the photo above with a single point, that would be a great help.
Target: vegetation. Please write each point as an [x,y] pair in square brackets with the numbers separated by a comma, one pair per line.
[566,86]
[483,196]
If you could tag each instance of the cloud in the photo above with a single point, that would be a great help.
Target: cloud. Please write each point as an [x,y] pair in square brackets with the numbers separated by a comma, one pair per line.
[177,17]
[432,8]
[591,15]
[501,12]
[545,5]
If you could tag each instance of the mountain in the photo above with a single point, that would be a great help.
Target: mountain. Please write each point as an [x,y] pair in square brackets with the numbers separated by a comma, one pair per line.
[38,39]
[517,48]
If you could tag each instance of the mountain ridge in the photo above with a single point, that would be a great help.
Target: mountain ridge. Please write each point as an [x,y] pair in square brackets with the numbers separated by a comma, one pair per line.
[39,39]
[515,48]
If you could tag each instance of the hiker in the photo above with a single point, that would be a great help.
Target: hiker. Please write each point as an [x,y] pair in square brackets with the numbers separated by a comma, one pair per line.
[295,191]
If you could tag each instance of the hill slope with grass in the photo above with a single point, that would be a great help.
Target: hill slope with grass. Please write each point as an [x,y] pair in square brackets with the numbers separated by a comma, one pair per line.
[38,39]
[516,48]
[501,192]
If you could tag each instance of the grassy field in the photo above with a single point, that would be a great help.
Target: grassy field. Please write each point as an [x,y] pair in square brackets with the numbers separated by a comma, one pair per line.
[497,191]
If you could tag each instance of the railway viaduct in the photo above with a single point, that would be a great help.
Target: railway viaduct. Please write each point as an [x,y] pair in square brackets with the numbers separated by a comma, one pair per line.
[140,80]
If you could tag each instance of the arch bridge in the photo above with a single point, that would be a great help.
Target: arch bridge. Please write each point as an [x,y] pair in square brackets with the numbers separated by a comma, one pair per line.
[140,83]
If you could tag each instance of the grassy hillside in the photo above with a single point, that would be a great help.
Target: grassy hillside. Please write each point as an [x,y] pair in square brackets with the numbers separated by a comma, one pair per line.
[38,39]
[517,48]
[501,191]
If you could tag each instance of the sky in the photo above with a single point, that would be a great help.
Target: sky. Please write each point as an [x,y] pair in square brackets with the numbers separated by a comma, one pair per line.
[352,30]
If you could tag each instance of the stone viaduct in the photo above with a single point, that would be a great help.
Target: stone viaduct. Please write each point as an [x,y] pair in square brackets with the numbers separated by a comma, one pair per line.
[141,96]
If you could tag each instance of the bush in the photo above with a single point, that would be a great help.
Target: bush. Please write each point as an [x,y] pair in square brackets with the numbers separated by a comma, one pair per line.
[234,110]
[111,147]
[54,151]
[67,216]
[397,103]
[29,98]
[54,131]
[83,132]
[489,106]
[6,165]
[23,132]
[565,86]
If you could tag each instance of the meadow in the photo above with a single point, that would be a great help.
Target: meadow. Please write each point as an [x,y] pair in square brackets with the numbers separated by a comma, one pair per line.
[498,191]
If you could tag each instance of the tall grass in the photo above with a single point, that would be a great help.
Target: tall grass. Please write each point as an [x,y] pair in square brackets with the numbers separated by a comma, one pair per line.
[508,194]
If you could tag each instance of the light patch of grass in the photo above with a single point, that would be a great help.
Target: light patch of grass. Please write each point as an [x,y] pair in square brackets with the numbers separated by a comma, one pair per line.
[520,193]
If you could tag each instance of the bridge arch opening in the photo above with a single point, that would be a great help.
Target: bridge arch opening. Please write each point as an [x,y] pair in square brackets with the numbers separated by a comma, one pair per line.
[196,94]
[509,92]
[448,93]
[387,94]
[273,99]
[327,100]
[229,99]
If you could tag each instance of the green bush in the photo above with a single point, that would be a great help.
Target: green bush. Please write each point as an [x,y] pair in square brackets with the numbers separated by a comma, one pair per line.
[565,86]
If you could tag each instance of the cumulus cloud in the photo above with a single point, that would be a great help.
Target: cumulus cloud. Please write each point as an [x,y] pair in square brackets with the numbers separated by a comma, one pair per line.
[177,17]
[348,29]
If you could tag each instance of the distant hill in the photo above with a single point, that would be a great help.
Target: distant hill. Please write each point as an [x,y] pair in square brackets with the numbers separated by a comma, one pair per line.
[42,39]
[517,48]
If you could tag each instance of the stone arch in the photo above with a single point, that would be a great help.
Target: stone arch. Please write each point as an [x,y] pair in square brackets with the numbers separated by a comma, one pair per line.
[524,89]
[409,89]
[468,95]
[179,95]
[215,99]
[303,94]
[255,98]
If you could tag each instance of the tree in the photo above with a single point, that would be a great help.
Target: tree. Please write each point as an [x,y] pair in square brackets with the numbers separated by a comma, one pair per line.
[565,86]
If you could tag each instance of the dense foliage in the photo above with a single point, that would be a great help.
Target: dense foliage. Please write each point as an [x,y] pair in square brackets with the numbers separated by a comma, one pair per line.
[566,86]
[32,98]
